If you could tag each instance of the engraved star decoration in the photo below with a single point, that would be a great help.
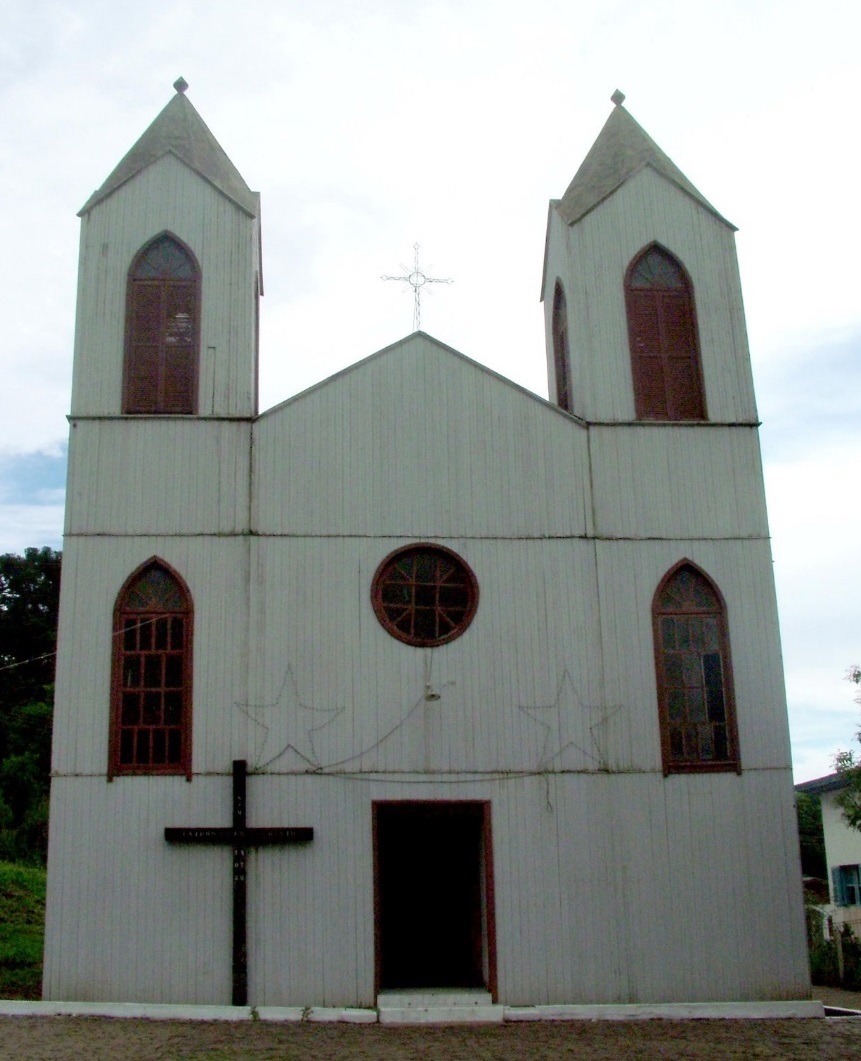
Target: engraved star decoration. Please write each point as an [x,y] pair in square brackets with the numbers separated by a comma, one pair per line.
[558,719]
[288,725]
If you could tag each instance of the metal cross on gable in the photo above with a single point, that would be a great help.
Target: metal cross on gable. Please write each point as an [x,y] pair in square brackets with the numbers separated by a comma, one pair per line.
[240,837]
[417,280]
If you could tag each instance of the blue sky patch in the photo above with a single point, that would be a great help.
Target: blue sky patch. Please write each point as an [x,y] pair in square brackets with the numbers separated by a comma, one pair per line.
[33,478]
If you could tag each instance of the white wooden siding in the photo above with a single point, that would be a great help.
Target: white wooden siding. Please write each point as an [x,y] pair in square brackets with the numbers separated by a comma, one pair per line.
[629,573]
[167,196]
[677,482]
[613,883]
[145,475]
[609,888]
[591,258]
[216,571]
[419,442]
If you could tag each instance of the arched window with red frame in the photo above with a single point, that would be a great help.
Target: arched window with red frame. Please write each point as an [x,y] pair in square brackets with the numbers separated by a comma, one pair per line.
[162,326]
[696,705]
[662,332]
[150,730]
[561,355]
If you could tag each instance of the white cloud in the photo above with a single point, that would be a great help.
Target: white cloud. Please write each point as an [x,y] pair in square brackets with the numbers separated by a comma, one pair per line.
[370,125]
[24,526]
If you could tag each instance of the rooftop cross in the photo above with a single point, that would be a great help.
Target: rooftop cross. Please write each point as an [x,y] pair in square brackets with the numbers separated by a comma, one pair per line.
[417,280]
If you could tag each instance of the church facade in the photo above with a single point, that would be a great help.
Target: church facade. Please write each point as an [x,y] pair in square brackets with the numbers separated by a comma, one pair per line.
[503,673]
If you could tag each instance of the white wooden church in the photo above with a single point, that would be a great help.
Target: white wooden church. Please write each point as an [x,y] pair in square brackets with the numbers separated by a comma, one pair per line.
[368,692]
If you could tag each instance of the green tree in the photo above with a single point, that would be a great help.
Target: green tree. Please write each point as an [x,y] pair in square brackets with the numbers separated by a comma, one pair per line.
[847,764]
[810,835]
[29,599]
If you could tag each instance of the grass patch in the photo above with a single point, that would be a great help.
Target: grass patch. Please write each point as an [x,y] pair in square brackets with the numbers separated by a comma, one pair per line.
[22,930]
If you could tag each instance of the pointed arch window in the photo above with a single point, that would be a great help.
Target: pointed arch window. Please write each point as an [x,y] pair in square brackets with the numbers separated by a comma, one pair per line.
[561,356]
[162,324]
[662,332]
[694,676]
[151,686]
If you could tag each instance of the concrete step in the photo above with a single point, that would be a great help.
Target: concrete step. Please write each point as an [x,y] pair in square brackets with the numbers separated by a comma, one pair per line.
[438,1005]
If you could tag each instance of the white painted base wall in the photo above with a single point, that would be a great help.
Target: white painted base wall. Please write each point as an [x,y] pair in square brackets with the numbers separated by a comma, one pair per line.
[578,920]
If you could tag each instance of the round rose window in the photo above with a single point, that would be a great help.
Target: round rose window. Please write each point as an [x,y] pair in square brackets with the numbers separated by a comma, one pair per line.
[424,594]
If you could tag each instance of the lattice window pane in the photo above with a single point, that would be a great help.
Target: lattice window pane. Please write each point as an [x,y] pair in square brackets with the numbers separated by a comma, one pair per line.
[693,690]
[153,697]
[424,595]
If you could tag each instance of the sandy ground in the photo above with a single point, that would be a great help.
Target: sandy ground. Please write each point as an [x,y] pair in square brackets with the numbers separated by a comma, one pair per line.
[833,996]
[100,1039]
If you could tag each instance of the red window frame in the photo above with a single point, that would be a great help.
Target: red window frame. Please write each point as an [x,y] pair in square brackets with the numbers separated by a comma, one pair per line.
[424,594]
[162,345]
[151,683]
[662,333]
[561,354]
[696,701]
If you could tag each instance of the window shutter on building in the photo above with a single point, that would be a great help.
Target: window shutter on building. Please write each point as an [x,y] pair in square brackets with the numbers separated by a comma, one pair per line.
[162,331]
[561,353]
[837,886]
[665,359]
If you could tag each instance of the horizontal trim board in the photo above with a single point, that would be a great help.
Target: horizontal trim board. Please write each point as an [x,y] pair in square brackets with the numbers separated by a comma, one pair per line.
[74,418]
[649,424]
[443,1015]
[410,536]
[407,777]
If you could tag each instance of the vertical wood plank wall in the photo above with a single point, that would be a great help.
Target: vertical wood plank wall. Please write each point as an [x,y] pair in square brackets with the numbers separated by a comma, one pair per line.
[613,883]
[603,867]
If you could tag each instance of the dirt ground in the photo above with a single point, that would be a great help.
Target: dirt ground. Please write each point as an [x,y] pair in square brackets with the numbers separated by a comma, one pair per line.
[101,1039]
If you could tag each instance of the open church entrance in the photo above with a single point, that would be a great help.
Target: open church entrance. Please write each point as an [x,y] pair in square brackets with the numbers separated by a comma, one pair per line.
[434,921]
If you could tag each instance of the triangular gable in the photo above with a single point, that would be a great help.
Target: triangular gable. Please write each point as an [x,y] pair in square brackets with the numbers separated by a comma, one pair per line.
[421,338]
[419,442]
[180,131]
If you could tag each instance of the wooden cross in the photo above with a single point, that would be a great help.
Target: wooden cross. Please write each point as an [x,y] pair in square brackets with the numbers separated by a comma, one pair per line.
[240,837]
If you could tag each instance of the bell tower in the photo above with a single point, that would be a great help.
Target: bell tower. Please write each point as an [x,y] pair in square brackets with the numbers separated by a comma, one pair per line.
[643,306]
[169,277]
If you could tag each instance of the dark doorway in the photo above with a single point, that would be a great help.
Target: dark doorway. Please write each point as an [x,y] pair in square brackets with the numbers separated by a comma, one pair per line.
[433,895]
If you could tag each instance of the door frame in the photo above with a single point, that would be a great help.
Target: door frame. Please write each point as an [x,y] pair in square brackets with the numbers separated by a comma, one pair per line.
[488,893]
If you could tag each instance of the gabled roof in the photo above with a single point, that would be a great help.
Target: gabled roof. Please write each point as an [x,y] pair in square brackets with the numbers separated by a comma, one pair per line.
[829,783]
[420,337]
[622,149]
[180,131]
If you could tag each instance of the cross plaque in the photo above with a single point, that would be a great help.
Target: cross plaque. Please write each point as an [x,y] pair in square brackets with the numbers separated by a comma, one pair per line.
[240,837]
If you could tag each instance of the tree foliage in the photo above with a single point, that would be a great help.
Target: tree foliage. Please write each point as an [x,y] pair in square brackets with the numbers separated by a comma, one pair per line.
[846,764]
[29,599]
[810,835]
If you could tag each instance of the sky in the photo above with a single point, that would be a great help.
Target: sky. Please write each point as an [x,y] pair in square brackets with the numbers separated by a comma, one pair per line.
[371,125]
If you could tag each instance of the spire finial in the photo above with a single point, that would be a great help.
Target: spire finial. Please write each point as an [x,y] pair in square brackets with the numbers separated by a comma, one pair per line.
[180,85]
[618,98]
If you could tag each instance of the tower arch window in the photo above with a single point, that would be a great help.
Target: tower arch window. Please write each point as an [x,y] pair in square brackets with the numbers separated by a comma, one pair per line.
[561,355]
[150,729]
[162,325]
[662,332]
[694,676]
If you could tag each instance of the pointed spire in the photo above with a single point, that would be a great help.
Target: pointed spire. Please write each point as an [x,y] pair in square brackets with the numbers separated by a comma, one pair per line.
[622,149]
[179,130]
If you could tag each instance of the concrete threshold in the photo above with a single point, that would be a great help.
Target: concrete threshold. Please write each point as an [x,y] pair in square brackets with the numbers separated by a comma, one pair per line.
[438,1006]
